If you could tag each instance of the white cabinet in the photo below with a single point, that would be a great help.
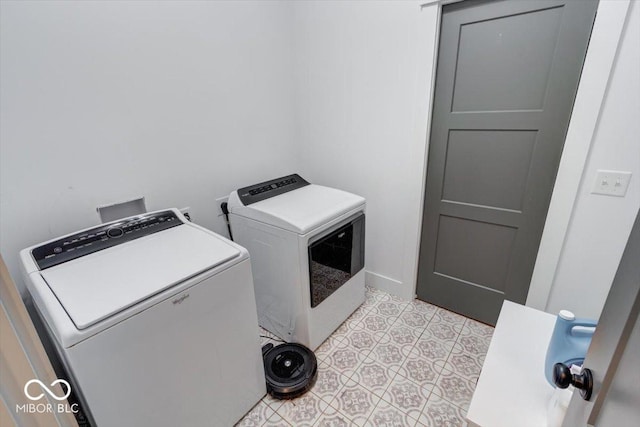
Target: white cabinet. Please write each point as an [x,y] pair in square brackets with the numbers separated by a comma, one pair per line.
[512,389]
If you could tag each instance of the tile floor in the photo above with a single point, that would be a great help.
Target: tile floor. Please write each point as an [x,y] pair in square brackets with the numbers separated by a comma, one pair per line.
[392,363]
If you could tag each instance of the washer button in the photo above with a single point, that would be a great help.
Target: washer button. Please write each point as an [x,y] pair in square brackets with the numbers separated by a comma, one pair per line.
[115,232]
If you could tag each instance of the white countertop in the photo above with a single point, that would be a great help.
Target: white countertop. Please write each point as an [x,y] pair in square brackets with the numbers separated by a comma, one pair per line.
[512,389]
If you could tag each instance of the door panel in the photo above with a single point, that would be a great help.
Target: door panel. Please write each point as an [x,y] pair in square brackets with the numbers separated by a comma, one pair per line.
[472,174]
[525,42]
[474,251]
[506,80]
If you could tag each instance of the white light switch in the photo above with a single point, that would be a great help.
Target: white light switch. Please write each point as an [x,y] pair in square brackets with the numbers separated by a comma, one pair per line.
[611,183]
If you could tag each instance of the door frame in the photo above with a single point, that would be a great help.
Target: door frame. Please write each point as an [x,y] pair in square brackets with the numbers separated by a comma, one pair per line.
[23,358]
[601,54]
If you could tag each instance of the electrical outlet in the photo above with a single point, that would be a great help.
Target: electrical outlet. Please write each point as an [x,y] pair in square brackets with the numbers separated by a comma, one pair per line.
[220,201]
[611,183]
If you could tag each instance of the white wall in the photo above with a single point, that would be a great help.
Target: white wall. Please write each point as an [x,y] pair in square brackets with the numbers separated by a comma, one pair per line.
[600,225]
[362,78]
[181,102]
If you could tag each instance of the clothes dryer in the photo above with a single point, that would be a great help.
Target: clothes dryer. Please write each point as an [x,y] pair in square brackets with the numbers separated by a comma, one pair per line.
[307,251]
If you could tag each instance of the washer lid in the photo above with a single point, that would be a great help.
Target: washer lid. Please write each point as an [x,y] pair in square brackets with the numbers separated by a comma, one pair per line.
[104,283]
[300,210]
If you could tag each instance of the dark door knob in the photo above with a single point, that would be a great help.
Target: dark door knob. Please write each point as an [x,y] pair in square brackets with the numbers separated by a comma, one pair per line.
[562,377]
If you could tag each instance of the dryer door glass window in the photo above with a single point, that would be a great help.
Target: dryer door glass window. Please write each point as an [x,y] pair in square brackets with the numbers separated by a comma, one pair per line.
[334,258]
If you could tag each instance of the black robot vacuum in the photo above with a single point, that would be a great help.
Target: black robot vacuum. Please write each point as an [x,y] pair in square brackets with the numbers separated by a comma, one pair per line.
[290,369]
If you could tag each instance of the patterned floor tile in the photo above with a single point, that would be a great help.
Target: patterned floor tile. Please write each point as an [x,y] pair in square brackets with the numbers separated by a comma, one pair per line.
[329,382]
[372,298]
[473,327]
[389,308]
[474,344]
[434,350]
[374,322]
[389,354]
[481,358]
[373,376]
[346,327]
[402,334]
[327,347]
[272,402]
[304,410]
[446,316]
[355,402]
[361,340]
[463,363]
[376,294]
[426,309]
[276,421]
[345,359]
[450,317]
[332,418]
[359,313]
[440,413]
[420,370]
[257,416]
[413,319]
[391,363]
[407,396]
[455,389]
[387,415]
[442,331]
[398,299]
[368,305]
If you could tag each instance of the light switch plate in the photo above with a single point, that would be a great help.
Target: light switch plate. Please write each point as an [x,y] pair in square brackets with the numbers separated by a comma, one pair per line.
[611,183]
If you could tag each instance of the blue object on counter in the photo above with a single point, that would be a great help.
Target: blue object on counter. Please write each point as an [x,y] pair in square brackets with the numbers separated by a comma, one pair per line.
[569,342]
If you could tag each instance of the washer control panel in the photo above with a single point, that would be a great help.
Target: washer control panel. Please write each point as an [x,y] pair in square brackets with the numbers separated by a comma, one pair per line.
[268,189]
[105,236]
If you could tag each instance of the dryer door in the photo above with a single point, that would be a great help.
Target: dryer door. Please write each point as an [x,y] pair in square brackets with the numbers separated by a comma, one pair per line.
[334,257]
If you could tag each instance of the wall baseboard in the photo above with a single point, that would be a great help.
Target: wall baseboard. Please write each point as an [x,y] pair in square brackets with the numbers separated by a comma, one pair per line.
[387,284]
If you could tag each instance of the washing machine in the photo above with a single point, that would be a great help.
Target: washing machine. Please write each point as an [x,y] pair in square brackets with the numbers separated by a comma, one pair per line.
[307,251]
[154,319]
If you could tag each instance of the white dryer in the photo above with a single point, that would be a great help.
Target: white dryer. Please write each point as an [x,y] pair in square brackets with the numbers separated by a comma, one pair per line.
[154,319]
[307,251]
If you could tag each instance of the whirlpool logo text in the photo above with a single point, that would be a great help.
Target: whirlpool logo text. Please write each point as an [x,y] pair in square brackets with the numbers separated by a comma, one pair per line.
[35,390]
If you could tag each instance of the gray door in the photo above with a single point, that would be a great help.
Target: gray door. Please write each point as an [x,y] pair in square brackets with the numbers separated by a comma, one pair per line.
[506,80]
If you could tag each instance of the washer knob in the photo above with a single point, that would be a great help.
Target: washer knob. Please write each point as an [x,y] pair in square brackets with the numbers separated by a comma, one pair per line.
[115,232]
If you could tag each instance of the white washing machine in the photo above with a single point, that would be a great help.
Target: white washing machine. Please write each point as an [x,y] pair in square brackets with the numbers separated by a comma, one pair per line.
[154,319]
[307,251]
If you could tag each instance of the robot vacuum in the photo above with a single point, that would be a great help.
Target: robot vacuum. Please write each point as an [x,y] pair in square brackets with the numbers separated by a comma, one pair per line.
[290,369]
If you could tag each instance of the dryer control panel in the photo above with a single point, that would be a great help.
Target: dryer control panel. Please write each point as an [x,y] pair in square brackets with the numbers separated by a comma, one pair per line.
[264,190]
[105,236]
